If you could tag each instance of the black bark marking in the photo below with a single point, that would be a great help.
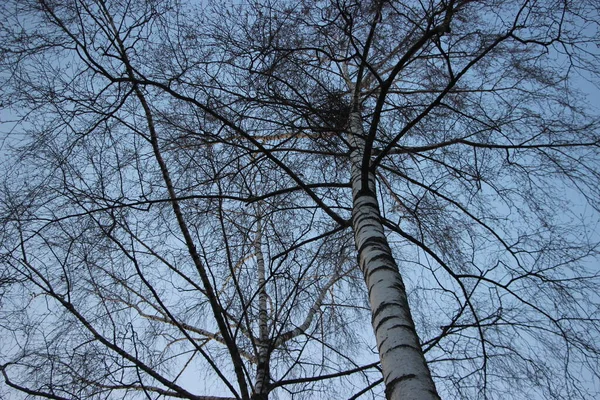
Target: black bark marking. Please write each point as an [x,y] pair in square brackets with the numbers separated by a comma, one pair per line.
[372,241]
[361,205]
[382,308]
[384,256]
[402,346]
[408,327]
[380,345]
[372,285]
[395,326]
[371,271]
[389,386]
[364,191]
[358,220]
[399,286]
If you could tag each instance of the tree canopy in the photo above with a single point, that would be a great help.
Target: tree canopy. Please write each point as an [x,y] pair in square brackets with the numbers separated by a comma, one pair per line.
[299,199]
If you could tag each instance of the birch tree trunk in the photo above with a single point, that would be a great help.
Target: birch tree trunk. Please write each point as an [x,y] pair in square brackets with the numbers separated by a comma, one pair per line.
[262,367]
[405,371]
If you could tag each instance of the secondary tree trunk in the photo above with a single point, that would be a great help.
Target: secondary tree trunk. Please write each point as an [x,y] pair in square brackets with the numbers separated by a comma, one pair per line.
[261,391]
[405,371]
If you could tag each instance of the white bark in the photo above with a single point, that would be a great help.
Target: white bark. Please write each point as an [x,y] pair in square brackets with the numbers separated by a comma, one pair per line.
[262,366]
[405,371]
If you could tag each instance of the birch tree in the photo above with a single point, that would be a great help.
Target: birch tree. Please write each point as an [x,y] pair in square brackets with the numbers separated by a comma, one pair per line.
[232,193]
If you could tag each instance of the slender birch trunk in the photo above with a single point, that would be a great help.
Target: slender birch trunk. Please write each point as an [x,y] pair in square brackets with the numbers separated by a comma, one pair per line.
[262,365]
[405,371]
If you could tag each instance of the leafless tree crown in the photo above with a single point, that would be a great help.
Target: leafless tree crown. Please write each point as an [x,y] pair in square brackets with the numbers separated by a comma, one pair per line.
[240,200]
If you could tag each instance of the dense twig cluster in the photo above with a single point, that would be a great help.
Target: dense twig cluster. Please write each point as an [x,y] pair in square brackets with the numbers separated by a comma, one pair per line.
[195,195]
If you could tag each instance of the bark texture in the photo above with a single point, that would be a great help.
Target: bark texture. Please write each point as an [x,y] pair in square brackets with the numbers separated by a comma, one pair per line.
[262,367]
[405,371]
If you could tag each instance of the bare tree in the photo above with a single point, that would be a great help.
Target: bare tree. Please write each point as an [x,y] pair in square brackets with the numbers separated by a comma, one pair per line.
[189,186]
